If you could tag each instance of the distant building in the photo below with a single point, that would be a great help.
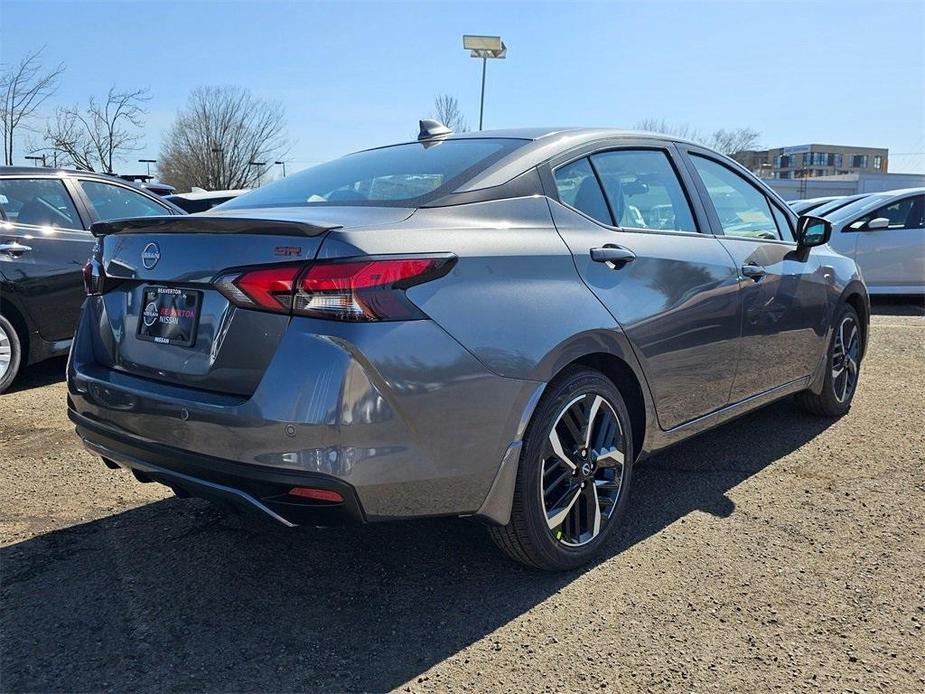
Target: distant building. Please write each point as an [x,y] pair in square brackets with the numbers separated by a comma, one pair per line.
[845,184]
[809,161]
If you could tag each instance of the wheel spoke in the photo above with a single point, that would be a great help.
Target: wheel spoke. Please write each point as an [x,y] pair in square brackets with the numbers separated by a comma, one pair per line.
[555,519]
[609,458]
[592,415]
[594,504]
[558,450]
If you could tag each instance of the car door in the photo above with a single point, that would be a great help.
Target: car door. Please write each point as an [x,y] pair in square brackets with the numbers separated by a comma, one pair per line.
[110,200]
[783,291]
[43,248]
[638,243]
[892,257]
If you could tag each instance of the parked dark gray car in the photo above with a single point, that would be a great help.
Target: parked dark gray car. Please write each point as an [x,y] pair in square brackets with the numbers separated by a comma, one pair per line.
[493,324]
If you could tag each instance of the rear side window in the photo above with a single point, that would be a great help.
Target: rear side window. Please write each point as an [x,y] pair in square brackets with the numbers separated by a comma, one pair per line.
[402,175]
[116,202]
[743,210]
[903,214]
[578,188]
[643,190]
[38,201]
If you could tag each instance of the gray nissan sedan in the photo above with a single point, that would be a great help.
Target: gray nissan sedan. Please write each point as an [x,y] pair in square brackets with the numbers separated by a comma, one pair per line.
[495,325]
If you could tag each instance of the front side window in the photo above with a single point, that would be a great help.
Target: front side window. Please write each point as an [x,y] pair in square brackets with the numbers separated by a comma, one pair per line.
[578,187]
[401,175]
[38,201]
[116,202]
[903,214]
[743,210]
[643,190]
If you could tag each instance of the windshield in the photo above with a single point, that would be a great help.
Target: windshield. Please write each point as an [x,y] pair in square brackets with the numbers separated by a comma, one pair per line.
[402,175]
[858,206]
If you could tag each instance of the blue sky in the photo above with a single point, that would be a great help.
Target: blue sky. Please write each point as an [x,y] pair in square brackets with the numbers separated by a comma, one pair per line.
[352,74]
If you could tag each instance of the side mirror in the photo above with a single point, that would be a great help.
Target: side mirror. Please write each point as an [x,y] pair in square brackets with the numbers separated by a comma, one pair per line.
[878,223]
[812,231]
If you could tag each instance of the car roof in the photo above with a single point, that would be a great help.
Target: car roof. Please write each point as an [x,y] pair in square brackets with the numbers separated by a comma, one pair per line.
[870,202]
[49,171]
[209,194]
[543,144]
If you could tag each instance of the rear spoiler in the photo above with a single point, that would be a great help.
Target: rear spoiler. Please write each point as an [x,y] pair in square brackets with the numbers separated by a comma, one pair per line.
[209,225]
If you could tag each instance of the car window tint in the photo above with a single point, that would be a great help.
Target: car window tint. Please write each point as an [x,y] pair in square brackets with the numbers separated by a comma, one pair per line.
[38,201]
[643,190]
[903,214]
[743,210]
[578,188]
[116,202]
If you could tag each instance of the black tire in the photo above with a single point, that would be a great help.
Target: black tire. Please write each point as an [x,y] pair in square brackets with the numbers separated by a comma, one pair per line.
[834,401]
[528,537]
[9,342]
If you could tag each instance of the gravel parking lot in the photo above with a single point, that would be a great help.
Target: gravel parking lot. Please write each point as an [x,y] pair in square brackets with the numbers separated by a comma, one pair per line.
[780,552]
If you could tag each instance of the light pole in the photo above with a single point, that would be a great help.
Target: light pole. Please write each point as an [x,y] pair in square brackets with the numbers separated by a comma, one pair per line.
[36,159]
[283,164]
[484,47]
[148,162]
[258,164]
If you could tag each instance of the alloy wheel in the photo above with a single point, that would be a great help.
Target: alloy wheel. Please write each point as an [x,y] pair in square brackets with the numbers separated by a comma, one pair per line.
[583,468]
[6,352]
[845,357]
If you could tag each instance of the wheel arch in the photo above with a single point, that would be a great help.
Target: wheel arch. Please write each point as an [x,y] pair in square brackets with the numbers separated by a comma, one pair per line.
[17,319]
[856,297]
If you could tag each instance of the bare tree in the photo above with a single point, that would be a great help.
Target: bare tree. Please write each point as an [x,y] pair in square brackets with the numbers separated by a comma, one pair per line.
[660,125]
[24,87]
[725,141]
[736,140]
[215,139]
[91,137]
[447,111]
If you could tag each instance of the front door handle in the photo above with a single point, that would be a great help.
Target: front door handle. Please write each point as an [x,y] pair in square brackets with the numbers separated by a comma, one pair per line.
[14,249]
[755,272]
[612,254]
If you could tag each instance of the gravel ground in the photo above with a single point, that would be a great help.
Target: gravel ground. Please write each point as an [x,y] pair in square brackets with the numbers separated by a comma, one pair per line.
[779,552]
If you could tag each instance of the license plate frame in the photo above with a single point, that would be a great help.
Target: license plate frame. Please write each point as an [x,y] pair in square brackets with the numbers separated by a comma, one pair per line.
[169,315]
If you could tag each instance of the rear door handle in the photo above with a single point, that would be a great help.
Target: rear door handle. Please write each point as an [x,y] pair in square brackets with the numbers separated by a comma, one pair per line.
[14,249]
[755,272]
[612,254]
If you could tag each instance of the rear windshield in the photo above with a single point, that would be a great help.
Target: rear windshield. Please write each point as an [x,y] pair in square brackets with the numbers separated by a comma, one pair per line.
[401,175]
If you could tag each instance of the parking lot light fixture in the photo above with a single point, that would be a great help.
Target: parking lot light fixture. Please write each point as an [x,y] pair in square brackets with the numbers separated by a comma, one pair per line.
[148,162]
[283,164]
[484,47]
[36,159]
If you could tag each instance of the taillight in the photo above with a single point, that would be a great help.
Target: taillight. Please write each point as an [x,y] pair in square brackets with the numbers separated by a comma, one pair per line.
[268,288]
[356,289]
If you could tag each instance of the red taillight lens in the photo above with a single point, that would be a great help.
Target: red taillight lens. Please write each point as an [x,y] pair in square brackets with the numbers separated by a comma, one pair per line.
[316,494]
[368,289]
[359,289]
[267,288]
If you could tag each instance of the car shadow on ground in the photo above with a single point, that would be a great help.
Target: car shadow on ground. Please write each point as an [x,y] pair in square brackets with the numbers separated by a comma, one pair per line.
[44,373]
[897,306]
[177,595]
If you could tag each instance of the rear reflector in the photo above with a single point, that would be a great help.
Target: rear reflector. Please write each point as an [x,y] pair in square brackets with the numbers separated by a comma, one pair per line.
[357,289]
[316,494]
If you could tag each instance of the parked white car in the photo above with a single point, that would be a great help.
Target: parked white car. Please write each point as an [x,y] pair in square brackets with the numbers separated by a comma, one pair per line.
[885,234]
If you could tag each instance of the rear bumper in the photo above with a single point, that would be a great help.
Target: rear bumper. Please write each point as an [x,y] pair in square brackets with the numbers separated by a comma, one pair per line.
[256,490]
[399,413]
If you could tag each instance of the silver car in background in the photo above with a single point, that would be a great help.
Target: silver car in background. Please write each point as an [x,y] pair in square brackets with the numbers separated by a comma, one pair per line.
[495,325]
[885,235]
